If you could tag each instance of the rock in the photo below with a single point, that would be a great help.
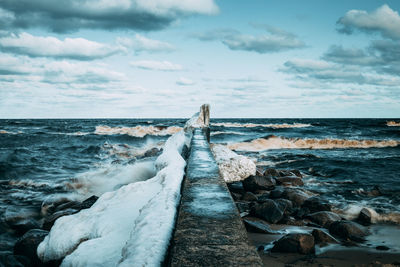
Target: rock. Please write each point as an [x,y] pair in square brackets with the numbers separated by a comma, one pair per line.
[375,192]
[295,242]
[253,183]
[302,212]
[297,197]
[256,225]
[365,217]
[248,196]
[322,237]
[348,230]
[285,205]
[382,248]
[268,211]
[284,173]
[276,193]
[86,203]
[297,173]
[324,218]
[290,180]
[315,204]
[289,220]
[13,260]
[264,197]
[236,196]
[236,187]
[21,227]
[67,205]
[50,205]
[28,243]
[271,172]
[50,220]
[259,171]
[156,151]
[243,207]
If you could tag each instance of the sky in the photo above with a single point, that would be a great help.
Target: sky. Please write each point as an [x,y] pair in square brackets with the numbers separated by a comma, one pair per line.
[164,58]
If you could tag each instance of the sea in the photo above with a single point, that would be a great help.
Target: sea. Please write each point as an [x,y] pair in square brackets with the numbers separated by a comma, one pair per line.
[353,163]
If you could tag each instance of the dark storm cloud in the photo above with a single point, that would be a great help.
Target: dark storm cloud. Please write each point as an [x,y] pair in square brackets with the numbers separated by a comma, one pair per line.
[71,15]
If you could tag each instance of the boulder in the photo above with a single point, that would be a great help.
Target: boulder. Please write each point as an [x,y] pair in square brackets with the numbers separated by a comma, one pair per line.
[322,237]
[315,204]
[283,173]
[297,173]
[236,187]
[28,243]
[268,211]
[256,225]
[365,217]
[382,248]
[253,183]
[295,242]
[271,172]
[348,230]
[259,171]
[243,207]
[249,196]
[263,197]
[236,196]
[276,193]
[290,180]
[87,203]
[324,218]
[50,220]
[67,205]
[285,205]
[297,197]
[23,226]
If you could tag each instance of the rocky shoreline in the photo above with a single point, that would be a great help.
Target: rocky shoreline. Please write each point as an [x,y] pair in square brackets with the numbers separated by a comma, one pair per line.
[282,218]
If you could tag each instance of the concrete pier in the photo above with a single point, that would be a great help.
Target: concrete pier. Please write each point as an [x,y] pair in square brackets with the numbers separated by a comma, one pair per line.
[209,231]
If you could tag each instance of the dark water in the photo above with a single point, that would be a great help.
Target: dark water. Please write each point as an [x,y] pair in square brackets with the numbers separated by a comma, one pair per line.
[42,159]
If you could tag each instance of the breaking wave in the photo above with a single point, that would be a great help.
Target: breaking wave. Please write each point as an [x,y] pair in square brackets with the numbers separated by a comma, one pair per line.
[220,132]
[137,131]
[252,125]
[393,124]
[276,142]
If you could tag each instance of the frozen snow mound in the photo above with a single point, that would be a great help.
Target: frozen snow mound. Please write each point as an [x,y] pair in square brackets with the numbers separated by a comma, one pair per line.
[131,226]
[232,167]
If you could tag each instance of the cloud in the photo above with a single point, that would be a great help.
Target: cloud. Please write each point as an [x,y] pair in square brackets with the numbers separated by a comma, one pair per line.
[156,65]
[71,48]
[184,81]
[322,71]
[383,20]
[351,56]
[140,43]
[276,40]
[73,15]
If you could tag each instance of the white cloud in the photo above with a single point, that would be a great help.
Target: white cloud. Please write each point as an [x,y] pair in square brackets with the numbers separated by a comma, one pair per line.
[156,65]
[383,20]
[73,48]
[140,43]
[184,81]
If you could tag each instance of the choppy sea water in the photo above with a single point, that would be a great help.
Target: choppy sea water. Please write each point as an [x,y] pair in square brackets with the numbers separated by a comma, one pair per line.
[343,159]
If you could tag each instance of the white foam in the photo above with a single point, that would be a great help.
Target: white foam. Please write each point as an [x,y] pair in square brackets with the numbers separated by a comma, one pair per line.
[276,142]
[352,211]
[137,131]
[232,167]
[271,125]
[393,124]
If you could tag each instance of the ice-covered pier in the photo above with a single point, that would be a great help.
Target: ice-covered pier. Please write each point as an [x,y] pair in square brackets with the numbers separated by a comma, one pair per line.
[209,231]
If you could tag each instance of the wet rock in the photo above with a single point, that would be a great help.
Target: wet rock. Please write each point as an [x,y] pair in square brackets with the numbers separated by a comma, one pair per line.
[248,196]
[259,171]
[375,192]
[290,180]
[297,197]
[276,193]
[365,217]
[243,207]
[253,183]
[49,205]
[256,225]
[156,151]
[13,260]
[268,211]
[28,243]
[271,172]
[322,237]
[297,173]
[263,197]
[21,227]
[324,218]
[302,212]
[290,220]
[236,187]
[236,196]
[348,230]
[66,205]
[50,220]
[315,204]
[285,205]
[295,242]
[382,248]
[87,203]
